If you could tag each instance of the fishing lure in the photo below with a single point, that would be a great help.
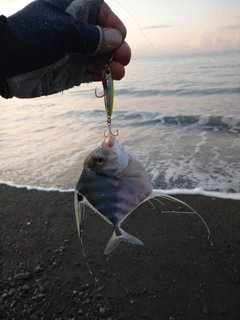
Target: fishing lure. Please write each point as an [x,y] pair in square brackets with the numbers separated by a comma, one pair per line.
[108,92]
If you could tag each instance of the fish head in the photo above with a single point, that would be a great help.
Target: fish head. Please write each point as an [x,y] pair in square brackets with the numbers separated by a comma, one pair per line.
[109,159]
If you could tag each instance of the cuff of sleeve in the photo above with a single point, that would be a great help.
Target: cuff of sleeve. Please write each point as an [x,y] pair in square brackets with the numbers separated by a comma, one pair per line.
[58,77]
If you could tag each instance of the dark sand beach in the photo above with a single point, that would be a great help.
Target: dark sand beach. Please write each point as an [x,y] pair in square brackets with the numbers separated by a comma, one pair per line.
[177,274]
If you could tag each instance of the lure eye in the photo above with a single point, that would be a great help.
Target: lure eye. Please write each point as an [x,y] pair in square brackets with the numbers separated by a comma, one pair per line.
[100,160]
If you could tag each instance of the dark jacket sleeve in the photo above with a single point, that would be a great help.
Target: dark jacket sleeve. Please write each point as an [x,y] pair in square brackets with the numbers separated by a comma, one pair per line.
[44,32]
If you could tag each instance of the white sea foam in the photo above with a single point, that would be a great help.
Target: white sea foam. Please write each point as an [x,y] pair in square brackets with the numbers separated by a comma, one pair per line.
[195,191]
[185,130]
[199,191]
[28,187]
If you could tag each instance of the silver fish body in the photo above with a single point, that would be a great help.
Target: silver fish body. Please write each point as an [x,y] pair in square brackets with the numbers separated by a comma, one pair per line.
[114,183]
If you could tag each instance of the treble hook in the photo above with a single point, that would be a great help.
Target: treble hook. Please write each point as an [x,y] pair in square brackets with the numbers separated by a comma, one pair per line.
[110,131]
[109,128]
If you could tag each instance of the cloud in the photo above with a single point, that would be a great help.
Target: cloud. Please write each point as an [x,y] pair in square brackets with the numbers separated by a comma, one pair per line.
[158,26]
[231,26]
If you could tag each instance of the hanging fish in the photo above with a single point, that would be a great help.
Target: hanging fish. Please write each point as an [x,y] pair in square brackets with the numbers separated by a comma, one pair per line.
[113,183]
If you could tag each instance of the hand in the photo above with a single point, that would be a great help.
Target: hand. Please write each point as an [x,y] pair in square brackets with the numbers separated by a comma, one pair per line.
[81,40]
[113,35]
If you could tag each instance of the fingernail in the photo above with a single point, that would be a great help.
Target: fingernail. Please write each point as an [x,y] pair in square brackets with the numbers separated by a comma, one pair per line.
[113,37]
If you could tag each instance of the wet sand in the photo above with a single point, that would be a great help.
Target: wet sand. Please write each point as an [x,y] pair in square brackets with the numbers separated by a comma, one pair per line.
[177,274]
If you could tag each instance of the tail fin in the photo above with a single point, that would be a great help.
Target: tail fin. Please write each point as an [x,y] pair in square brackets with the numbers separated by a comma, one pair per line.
[115,240]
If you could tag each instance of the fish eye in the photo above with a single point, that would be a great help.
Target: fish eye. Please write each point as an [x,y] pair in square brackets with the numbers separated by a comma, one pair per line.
[100,160]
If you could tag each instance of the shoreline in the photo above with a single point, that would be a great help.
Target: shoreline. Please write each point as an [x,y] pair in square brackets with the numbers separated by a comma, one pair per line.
[177,274]
[173,192]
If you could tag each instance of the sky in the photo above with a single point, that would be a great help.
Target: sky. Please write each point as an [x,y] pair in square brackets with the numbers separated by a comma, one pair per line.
[171,27]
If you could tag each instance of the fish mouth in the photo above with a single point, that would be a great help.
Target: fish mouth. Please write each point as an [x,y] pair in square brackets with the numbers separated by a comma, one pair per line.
[112,146]
[109,140]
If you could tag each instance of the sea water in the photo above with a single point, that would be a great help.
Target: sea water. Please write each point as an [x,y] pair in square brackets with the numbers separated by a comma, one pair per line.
[180,115]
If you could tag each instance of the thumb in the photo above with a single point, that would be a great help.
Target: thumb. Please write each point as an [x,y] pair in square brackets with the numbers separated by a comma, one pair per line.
[111,40]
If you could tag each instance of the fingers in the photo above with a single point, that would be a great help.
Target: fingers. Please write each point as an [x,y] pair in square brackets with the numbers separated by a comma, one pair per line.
[121,58]
[113,35]
[108,19]
[123,54]
[111,40]
[117,69]
[113,30]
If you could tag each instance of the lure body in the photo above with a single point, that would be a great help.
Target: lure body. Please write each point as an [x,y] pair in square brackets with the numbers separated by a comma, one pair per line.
[108,87]
[108,92]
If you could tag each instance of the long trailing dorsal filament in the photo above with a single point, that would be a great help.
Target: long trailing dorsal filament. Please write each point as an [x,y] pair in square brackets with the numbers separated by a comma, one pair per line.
[167,197]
